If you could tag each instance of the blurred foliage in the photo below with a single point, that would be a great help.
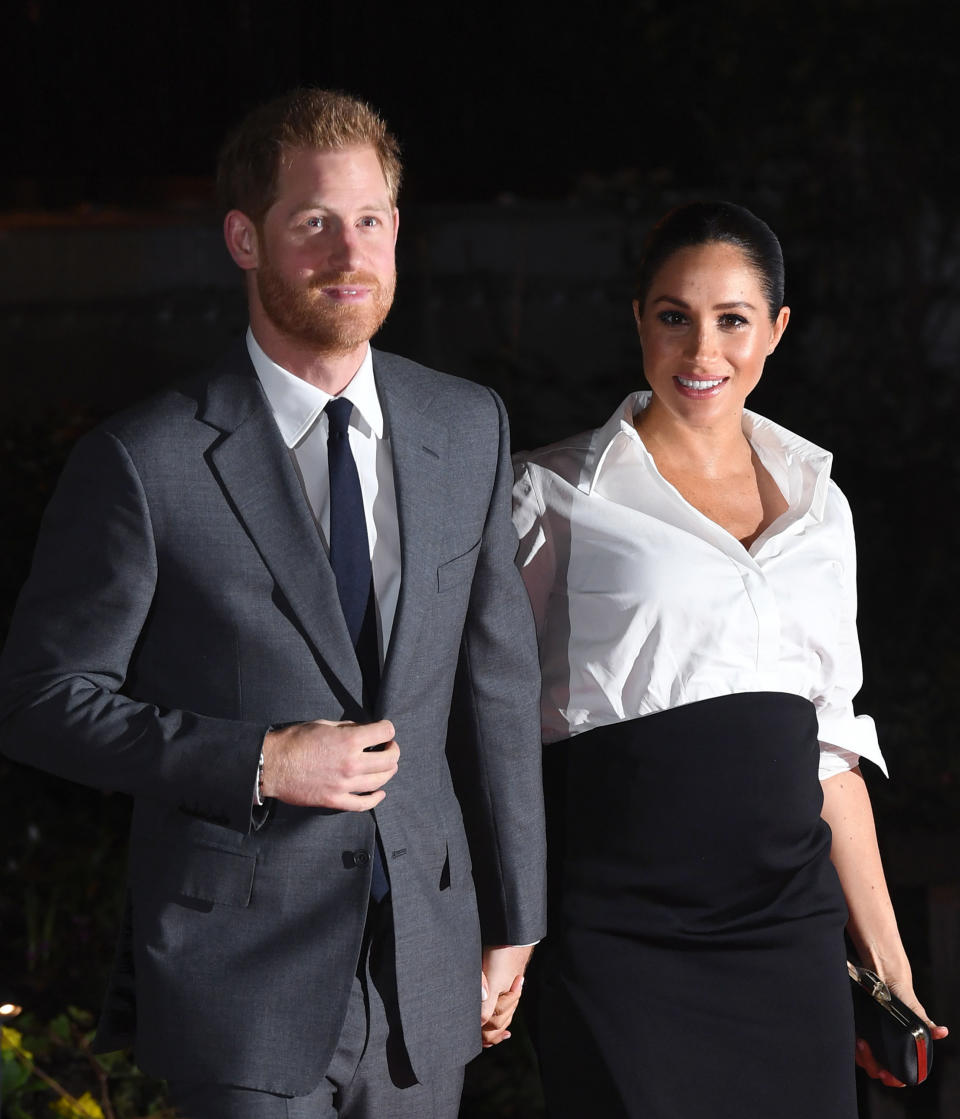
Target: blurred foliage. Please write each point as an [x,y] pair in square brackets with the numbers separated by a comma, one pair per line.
[47,1067]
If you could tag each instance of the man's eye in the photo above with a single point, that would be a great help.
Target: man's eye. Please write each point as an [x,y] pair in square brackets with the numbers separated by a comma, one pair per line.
[315,223]
[370,222]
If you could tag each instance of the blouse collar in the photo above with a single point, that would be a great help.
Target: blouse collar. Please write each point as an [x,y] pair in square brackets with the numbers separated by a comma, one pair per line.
[800,468]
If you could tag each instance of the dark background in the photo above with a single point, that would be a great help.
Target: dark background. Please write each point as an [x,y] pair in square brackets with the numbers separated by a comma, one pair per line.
[538,149]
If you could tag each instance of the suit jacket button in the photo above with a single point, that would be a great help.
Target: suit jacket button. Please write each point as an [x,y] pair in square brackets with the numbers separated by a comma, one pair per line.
[361,858]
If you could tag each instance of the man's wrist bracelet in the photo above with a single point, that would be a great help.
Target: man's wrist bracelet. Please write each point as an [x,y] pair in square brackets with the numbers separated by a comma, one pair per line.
[260,781]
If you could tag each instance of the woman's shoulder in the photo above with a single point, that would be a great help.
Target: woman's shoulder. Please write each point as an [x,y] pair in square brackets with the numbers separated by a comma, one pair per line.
[564,458]
[838,505]
[569,458]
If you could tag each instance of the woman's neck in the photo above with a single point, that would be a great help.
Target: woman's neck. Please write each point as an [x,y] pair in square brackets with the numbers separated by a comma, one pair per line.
[710,452]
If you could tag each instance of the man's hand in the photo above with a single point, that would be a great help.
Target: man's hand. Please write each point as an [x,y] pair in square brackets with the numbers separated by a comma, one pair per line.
[502,981]
[326,765]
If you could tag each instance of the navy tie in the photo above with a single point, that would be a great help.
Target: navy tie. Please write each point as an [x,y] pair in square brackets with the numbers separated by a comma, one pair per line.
[350,560]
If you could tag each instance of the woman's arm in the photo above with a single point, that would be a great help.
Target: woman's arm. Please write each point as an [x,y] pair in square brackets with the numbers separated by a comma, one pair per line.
[873,925]
[535,557]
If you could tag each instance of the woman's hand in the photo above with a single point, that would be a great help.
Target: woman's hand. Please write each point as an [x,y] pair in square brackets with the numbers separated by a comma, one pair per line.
[903,990]
[496,1028]
[872,926]
[501,982]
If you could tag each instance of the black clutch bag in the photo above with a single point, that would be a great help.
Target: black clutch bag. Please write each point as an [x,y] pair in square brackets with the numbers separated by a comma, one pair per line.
[899,1040]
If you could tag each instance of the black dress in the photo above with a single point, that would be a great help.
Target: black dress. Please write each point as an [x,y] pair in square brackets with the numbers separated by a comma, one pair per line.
[695,966]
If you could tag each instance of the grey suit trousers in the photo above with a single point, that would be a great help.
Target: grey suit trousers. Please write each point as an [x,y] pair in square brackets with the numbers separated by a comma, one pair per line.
[369,1076]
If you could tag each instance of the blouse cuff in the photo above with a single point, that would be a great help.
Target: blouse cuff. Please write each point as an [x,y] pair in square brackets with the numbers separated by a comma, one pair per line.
[842,734]
[834,761]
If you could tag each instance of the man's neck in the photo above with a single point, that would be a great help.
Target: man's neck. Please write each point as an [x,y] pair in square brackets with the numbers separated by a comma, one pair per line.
[331,372]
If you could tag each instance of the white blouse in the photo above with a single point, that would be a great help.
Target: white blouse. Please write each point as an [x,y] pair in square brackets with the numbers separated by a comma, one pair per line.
[644,604]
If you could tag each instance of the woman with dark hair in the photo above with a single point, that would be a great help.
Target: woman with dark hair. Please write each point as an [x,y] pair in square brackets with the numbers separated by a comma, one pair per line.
[692,570]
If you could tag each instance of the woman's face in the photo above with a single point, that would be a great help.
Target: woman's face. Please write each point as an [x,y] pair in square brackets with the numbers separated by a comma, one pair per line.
[705,330]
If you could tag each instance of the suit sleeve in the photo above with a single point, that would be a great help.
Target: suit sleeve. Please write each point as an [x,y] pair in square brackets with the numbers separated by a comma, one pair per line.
[64,669]
[495,731]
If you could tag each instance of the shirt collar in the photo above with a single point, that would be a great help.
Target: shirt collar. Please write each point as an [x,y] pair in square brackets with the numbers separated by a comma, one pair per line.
[620,425]
[800,468]
[297,405]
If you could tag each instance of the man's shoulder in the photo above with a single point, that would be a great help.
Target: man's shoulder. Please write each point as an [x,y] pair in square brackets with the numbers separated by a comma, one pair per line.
[185,401]
[174,402]
[409,375]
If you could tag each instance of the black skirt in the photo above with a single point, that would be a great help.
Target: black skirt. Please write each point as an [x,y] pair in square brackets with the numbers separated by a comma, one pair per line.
[695,963]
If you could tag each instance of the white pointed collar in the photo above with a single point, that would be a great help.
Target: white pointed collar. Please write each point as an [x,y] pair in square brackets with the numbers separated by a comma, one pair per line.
[297,405]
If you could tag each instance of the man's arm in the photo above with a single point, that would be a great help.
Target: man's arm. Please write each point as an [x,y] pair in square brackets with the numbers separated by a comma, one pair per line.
[495,750]
[65,702]
[73,636]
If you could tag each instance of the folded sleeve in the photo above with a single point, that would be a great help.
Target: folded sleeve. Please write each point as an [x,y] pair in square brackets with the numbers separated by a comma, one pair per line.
[844,736]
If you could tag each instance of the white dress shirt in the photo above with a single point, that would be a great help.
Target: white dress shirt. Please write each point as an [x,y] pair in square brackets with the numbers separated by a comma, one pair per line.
[298,408]
[644,604]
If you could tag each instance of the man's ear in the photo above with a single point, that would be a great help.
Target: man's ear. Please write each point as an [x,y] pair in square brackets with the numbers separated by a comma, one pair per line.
[240,234]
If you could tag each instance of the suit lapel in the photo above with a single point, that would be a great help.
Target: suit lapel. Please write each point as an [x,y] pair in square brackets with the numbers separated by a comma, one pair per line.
[419,449]
[254,468]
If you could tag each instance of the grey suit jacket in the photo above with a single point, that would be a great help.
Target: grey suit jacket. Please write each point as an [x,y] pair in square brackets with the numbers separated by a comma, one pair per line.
[179,604]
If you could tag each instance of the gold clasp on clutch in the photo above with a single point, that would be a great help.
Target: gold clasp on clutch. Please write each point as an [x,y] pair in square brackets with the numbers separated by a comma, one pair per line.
[870,982]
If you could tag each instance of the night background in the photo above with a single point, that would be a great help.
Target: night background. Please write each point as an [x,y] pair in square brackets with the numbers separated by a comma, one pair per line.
[539,147]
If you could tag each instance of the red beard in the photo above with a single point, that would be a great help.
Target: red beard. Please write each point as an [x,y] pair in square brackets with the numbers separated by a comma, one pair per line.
[307,315]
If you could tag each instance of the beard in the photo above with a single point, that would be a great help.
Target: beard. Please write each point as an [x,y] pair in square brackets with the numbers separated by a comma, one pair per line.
[308,316]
